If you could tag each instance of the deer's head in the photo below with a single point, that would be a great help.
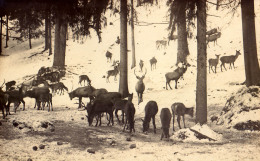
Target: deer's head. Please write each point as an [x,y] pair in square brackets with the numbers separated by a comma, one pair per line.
[141,78]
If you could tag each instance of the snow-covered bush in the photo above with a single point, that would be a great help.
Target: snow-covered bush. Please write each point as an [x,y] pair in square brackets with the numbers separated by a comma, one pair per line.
[242,110]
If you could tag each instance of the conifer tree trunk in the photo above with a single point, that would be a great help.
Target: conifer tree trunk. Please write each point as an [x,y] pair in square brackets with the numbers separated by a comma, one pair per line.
[252,70]
[7,35]
[133,35]
[50,37]
[60,40]
[1,24]
[183,50]
[46,29]
[123,83]
[201,89]
[30,37]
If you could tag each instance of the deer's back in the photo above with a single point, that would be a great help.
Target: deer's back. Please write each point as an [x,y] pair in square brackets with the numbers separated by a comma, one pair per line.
[151,109]
[165,118]
[178,108]
[228,59]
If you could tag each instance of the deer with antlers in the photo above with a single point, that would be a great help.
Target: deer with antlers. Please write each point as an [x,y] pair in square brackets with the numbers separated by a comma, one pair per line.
[140,87]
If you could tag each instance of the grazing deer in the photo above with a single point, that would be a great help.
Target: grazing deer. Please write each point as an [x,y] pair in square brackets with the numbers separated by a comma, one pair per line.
[213,63]
[165,121]
[80,92]
[84,78]
[153,62]
[141,65]
[129,114]
[109,56]
[179,109]
[113,72]
[229,59]
[151,109]
[140,87]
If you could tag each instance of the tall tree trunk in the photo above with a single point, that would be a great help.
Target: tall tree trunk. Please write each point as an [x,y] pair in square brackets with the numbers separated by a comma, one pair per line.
[201,89]
[249,41]
[30,37]
[67,36]
[46,29]
[123,83]
[1,24]
[183,50]
[50,38]
[133,35]
[60,40]
[7,35]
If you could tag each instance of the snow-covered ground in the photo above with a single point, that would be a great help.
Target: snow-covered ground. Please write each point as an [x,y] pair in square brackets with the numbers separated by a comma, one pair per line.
[72,136]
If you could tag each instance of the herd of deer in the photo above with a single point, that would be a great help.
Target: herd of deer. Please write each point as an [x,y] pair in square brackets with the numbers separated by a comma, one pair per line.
[102,101]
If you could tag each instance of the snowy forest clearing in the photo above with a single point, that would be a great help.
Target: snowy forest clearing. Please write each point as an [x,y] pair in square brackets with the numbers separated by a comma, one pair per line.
[65,133]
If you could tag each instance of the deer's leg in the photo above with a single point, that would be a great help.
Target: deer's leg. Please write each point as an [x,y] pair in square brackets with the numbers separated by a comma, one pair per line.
[23,104]
[224,66]
[125,124]
[117,115]
[176,82]
[178,120]
[35,102]
[111,117]
[80,100]
[173,118]
[154,126]
[3,111]
[183,121]
[233,65]
[99,116]
[123,116]
[168,82]
[8,108]
[162,134]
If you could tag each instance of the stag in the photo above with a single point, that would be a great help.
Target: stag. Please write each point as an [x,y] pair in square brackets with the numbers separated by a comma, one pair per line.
[140,87]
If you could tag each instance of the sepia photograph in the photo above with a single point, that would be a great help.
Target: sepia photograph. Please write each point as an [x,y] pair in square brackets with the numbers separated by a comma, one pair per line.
[130,80]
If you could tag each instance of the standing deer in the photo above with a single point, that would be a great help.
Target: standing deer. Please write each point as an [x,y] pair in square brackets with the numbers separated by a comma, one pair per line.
[113,72]
[109,56]
[84,78]
[213,37]
[140,87]
[213,62]
[179,109]
[165,121]
[153,62]
[229,59]
[175,75]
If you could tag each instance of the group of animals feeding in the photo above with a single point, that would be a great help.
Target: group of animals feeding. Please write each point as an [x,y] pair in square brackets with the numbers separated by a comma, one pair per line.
[100,99]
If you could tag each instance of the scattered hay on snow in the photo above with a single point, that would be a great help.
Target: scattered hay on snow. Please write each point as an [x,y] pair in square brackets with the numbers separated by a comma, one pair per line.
[197,133]
[242,110]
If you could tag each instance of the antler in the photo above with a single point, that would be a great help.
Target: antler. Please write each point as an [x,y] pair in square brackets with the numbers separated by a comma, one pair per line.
[145,72]
[134,73]
[2,84]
